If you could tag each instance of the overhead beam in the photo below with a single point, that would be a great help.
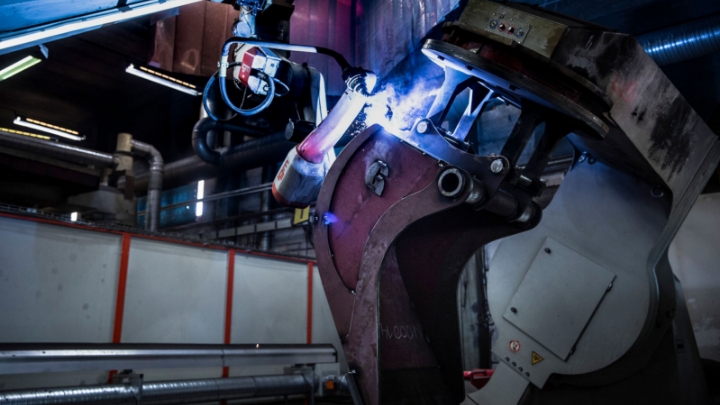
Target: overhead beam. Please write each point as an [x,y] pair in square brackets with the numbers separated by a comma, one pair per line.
[56,29]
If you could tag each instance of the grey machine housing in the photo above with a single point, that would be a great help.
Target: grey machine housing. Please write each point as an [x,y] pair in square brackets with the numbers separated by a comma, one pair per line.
[586,305]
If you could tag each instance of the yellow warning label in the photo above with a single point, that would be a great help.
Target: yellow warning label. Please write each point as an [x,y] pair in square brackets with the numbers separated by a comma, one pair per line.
[536,358]
[301,215]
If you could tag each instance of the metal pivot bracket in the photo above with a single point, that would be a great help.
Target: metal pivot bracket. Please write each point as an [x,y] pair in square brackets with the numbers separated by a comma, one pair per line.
[376,175]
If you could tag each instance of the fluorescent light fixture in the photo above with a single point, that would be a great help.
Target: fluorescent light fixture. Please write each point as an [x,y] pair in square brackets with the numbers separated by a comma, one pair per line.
[163,79]
[49,128]
[200,196]
[87,22]
[18,67]
[12,131]
[74,216]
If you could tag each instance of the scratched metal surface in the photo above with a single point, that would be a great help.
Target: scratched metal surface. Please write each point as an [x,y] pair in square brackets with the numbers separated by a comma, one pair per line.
[417,293]
[658,137]
[326,23]
[408,173]
[387,31]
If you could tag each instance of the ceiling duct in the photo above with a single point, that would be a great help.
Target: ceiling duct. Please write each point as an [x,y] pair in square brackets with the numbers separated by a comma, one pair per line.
[683,42]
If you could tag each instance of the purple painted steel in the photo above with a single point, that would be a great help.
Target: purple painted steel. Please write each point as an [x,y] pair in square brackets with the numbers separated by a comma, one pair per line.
[408,173]
[390,266]
[362,347]
[431,254]
[401,332]
[326,23]
[388,31]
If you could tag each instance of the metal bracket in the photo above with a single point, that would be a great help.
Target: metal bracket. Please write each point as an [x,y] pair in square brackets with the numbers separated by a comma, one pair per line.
[375,177]
[133,379]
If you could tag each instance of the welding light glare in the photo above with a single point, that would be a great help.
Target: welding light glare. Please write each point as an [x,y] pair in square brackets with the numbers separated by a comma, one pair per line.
[163,79]
[18,67]
[49,128]
[200,196]
[92,22]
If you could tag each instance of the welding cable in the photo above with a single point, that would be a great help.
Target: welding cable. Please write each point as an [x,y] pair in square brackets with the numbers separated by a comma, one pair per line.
[206,91]
[250,111]
[205,100]
[344,65]
[358,79]
[285,86]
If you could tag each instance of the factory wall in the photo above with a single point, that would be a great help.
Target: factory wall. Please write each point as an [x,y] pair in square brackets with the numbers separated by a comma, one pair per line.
[70,284]
[388,31]
[329,24]
[695,258]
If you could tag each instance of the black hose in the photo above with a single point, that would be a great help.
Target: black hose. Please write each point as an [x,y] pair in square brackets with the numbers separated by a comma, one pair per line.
[203,146]
[245,156]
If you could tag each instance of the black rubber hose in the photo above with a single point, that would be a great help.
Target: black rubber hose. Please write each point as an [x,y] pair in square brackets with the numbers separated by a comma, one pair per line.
[203,148]
[200,141]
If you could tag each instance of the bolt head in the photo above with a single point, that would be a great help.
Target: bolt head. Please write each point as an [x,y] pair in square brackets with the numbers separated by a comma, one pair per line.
[497,166]
[657,192]
[422,127]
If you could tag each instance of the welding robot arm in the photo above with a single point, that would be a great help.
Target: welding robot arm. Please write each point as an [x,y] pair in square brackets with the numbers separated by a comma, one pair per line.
[301,174]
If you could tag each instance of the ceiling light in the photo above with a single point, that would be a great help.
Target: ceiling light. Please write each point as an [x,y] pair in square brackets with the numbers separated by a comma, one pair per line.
[12,131]
[51,129]
[74,216]
[88,22]
[19,66]
[163,79]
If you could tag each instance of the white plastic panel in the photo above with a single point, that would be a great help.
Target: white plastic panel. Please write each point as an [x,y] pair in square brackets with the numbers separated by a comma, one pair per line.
[269,301]
[558,297]
[175,294]
[323,328]
[57,284]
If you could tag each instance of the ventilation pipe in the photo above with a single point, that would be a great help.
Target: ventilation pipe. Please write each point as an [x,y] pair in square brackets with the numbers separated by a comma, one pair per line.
[683,42]
[168,392]
[245,156]
[155,181]
[57,150]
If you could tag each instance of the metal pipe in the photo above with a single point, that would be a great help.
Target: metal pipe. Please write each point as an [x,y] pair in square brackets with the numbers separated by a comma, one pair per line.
[683,42]
[42,358]
[154,195]
[245,156]
[58,150]
[168,392]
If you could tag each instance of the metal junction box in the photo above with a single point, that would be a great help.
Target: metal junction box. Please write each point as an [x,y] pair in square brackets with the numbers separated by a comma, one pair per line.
[557,297]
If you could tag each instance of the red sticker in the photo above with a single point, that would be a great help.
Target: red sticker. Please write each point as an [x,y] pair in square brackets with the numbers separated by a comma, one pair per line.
[514,346]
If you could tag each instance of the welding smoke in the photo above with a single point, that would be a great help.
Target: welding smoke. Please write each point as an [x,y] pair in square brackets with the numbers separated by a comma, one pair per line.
[404,95]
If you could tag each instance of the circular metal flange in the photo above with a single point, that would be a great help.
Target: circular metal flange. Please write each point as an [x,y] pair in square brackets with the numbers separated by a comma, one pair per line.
[451,182]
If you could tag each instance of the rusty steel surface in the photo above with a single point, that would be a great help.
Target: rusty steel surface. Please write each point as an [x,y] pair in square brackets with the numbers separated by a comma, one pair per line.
[390,266]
